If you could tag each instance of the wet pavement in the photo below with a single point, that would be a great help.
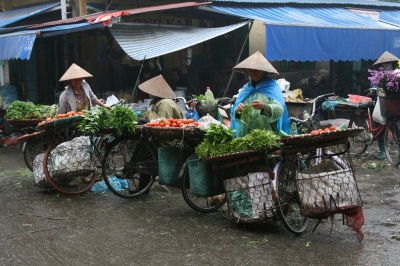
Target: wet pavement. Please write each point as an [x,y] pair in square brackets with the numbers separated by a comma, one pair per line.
[47,228]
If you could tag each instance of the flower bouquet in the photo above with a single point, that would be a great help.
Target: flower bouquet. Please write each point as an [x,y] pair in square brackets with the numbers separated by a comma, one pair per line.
[387,81]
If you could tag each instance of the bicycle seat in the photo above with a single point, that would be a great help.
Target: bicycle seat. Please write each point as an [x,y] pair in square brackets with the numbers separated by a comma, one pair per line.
[365,105]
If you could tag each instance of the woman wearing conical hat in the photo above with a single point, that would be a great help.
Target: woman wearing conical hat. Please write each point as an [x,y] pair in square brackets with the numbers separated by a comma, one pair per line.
[263,94]
[389,62]
[78,95]
[161,105]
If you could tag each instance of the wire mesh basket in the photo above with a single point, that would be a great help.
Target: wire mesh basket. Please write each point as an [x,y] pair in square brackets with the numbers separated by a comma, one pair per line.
[328,184]
[72,158]
[250,196]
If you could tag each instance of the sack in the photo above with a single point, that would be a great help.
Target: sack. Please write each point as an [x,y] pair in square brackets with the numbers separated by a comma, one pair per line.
[192,113]
[377,115]
[38,173]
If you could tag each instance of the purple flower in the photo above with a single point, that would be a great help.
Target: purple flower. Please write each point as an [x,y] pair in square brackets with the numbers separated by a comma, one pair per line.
[388,81]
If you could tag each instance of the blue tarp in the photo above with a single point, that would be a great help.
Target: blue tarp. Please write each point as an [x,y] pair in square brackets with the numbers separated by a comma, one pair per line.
[319,33]
[17,45]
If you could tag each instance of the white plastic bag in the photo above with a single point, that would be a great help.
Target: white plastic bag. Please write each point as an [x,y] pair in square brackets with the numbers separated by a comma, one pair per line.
[111,100]
[376,115]
[284,84]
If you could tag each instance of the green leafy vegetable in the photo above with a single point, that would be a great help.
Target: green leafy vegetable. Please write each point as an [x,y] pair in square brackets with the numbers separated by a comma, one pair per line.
[28,110]
[258,139]
[218,134]
[120,118]
[247,114]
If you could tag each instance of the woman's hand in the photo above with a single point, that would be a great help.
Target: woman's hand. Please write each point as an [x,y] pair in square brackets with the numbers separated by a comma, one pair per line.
[258,105]
[240,107]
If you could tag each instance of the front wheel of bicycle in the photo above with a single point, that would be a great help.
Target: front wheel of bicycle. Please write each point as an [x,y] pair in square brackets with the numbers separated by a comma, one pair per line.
[392,142]
[198,203]
[129,167]
[359,143]
[71,185]
[32,148]
[288,199]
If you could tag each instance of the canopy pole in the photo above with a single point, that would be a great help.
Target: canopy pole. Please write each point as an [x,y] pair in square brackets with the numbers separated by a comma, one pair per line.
[237,60]
[137,81]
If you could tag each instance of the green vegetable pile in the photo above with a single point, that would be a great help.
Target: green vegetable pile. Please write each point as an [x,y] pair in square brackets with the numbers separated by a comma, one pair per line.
[258,139]
[27,110]
[121,118]
[199,98]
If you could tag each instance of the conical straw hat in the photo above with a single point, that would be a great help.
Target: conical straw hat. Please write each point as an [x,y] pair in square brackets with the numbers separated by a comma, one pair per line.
[257,62]
[75,72]
[386,57]
[158,87]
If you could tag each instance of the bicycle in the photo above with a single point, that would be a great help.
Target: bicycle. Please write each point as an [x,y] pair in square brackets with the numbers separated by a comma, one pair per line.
[362,118]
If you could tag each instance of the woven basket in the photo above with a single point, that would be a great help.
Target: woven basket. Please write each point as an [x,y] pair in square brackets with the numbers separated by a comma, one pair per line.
[389,106]
[178,132]
[24,122]
[202,180]
[170,160]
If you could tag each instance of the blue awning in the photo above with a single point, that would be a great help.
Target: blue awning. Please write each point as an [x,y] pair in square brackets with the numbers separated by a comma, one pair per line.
[18,45]
[140,40]
[319,33]
[12,16]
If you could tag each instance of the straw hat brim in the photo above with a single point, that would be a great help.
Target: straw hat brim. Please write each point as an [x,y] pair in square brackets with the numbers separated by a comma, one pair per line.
[158,87]
[257,62]
[386,57]
[75,72]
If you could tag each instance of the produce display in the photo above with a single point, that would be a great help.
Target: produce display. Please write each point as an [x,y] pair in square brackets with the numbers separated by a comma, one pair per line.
[19,110]
[120,118]
[172,123]
[220,141]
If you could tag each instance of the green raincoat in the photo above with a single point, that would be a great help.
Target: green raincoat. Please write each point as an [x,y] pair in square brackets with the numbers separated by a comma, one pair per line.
[265,119]
[164,108]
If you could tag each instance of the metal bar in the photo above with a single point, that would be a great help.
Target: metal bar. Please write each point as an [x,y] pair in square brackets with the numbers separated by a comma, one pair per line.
[237,60]
[137,81]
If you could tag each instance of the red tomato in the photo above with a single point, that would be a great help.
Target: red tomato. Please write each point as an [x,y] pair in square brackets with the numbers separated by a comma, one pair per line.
[174,124]
[161,124]
[332,128]
[190,121]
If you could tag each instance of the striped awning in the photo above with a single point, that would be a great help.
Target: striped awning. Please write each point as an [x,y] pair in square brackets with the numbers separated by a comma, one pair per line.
[139,40]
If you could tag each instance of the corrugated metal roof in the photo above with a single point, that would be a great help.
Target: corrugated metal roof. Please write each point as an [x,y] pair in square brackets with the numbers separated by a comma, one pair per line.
[139,40]
[12,16]
[328,17]
[319,2]
[133,11]
[392,17]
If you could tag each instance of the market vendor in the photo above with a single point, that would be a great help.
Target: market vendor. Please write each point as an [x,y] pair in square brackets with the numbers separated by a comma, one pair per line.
[78,95]
[162,105]
[389,63]
[263,94]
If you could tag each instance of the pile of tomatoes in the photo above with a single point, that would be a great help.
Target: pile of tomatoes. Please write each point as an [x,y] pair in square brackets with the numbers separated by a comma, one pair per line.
[59,116]
[171,122]
[328,129]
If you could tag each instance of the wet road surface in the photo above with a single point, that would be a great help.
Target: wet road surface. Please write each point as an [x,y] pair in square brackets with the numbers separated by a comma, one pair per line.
[47,228]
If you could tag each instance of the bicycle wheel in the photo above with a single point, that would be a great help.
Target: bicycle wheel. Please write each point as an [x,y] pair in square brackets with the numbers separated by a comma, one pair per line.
[32,148]
[71,185]
[288,201]
[197,203]
[392,142]
[359,143]
[129,167]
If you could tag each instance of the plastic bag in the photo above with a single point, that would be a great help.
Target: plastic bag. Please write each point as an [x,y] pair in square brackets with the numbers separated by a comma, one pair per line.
[111,100]
[376,115]
[284,84]
[10,94]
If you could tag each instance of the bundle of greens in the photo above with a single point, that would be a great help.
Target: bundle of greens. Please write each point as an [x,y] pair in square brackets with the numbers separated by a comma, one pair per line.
[27,110]
[258,139]
[218,134]
[120,118]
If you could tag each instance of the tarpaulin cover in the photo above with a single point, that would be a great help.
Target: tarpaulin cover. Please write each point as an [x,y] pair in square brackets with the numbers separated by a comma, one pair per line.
[17,45]
[319,33]
[139,40]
